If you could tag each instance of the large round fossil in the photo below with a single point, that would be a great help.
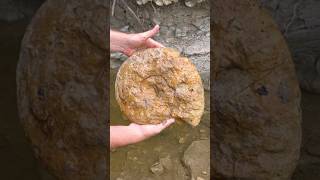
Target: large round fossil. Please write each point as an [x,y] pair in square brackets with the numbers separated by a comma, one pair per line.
[156,84]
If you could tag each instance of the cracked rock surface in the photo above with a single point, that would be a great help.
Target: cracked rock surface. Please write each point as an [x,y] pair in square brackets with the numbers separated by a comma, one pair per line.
[62,94]
[156,84]
[257,127]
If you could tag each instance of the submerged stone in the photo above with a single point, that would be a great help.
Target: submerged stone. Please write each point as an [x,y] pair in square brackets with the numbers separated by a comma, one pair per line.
[196,159]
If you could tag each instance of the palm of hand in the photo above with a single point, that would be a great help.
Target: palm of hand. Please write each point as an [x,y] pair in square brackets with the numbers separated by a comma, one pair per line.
[141,40]
[151,129]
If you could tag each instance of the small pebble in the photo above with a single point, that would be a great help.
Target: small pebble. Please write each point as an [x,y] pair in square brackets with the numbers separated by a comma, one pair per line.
[200,178]
[157,168]
[113,150]
[182,140]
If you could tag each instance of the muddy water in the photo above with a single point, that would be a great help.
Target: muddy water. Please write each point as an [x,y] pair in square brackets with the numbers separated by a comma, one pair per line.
[136,160]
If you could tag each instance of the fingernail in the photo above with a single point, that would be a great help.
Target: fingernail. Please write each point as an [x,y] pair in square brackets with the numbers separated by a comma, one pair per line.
[157,27]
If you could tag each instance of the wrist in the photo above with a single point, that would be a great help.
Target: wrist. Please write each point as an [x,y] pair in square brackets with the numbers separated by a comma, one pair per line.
[118,41]
[137,132]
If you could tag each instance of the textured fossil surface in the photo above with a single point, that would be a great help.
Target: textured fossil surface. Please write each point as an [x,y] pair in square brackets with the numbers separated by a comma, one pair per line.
[156,84]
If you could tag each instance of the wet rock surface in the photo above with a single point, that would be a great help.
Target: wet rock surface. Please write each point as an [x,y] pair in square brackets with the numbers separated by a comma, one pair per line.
[156,84]
[299,22]
[62,91]
[157,168]
[196,159]
[257,130]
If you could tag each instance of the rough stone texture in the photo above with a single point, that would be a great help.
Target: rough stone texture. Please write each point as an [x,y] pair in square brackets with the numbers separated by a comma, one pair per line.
[187,29]
[257,130]
[156,84]
[196,159]
[62,94]
[299,20]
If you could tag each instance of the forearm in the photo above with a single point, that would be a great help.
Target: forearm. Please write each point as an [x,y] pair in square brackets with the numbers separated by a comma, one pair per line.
[124,135]
[117,41]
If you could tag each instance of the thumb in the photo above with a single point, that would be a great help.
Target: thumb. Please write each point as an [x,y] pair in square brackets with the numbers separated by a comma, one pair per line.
[151,33]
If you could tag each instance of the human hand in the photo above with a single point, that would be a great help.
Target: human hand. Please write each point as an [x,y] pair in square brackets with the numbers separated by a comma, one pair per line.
[129,43]
[124,135]
[150,130]
[142,40]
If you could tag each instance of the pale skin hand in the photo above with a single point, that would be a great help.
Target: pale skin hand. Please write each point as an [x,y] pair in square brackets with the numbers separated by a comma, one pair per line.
[125,135]
[128,44]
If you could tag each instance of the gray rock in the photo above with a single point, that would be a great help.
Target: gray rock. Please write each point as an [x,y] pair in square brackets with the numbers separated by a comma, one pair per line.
[181,32]
[125,28]
[166,162]
[198,47]
[157,168]
[196,159]
[118,56]
[205,76]
[190,3]
[200,178]
[202,24]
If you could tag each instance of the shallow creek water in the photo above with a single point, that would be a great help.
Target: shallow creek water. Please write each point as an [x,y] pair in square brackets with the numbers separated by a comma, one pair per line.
[136,160]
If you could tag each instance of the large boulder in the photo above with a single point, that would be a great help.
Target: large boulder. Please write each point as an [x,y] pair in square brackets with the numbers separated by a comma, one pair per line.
[256,97]
[63,87]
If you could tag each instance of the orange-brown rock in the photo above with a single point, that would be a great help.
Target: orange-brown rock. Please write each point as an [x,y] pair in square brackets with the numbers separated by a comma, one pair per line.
[156,84]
